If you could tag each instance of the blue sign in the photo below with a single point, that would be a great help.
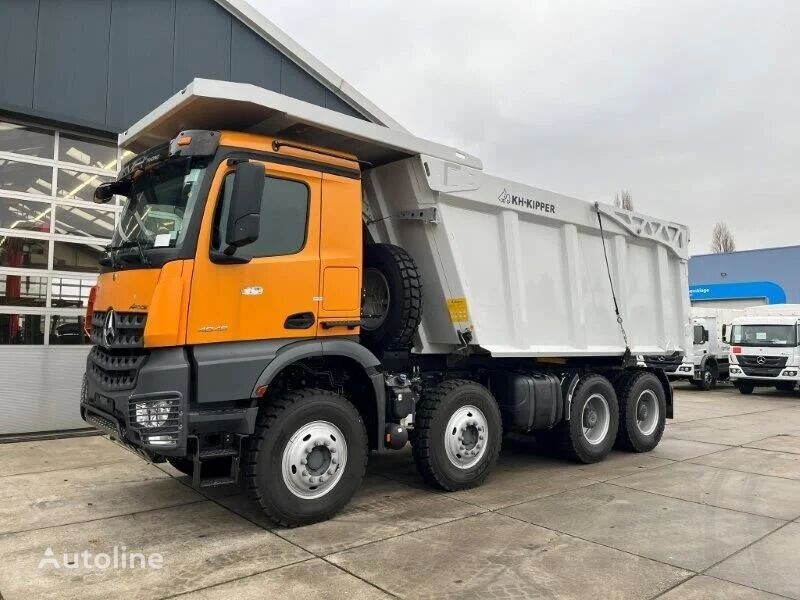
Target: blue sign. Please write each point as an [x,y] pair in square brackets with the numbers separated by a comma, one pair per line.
[747,290]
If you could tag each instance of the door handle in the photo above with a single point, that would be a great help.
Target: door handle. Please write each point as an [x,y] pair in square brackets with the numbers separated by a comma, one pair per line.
[302,320]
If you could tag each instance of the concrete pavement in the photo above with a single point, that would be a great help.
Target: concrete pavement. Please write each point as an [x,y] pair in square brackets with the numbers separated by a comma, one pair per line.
[713,512]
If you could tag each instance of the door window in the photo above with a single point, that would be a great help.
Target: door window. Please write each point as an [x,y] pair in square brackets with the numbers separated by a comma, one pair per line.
[284,218]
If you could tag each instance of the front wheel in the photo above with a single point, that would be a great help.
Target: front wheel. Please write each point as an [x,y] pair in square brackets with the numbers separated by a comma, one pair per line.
[745,387]
[642,413]
[589,434]
[709,380]
[307,457]
[457,436]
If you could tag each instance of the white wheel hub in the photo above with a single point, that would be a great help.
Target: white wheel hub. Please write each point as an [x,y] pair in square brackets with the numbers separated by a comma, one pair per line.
[647,412]
[596,419]
[314,459]
[466,437]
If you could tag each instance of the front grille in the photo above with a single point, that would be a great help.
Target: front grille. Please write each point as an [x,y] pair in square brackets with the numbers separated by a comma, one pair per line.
[771,366]
[128,329]
[669,363]
[115,370]
[157,414]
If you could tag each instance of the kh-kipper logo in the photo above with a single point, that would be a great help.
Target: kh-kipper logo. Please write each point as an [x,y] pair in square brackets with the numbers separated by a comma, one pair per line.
[521,201]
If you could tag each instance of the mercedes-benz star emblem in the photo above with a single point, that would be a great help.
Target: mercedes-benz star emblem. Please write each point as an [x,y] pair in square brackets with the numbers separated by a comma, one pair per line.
[109,328]
[761,360]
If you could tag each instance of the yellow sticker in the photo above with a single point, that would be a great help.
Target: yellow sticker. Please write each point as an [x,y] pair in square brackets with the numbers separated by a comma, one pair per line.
[458,310]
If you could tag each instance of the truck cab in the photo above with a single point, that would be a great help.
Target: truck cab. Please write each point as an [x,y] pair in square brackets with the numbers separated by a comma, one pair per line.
[764,349]
[708,362]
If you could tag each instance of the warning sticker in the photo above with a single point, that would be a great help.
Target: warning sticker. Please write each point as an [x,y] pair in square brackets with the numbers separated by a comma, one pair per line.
[458,310]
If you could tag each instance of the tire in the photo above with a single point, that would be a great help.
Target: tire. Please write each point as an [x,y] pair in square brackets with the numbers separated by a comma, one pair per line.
[276,477]
[709,380]
[390,325]
[448,413]
[745,387]
[785,386]
[642,413]
[184,465]
[569,437]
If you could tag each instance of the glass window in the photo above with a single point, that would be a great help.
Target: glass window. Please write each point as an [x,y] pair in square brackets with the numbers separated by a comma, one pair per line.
[764,335]
[24,215]
[70,293]
[284,213]
[23,252]
[68,256]
[74,184]
[67,330]
[30,141]
[21,329]
[87,151]
[699,334]
[18,176]
[160,205]
[85,222]
[23,290]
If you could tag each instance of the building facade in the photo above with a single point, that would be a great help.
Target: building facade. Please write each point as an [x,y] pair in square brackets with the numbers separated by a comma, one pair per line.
[748,278]
[72,76]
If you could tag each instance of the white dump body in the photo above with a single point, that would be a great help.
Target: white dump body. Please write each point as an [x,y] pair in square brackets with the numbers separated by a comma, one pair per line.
[523,269]
[514,269]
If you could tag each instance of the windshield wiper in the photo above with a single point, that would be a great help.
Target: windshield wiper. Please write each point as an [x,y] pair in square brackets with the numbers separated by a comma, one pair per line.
[128,244]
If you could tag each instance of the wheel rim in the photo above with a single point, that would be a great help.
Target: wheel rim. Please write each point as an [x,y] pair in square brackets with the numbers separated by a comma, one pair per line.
[314,459]
[376,299]
[466,437]
[595,419]
[708,377]
[647,412]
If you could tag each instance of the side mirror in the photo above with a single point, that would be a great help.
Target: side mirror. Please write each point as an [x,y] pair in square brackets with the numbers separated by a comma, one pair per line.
[105,191]
[705,335]
[725,333]
[244,216]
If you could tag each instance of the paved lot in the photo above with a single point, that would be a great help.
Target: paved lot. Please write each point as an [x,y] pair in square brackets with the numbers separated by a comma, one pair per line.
[712,513]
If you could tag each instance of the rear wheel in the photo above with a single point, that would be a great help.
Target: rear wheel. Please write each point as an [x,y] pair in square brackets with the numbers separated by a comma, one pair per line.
[392,305]
[589,434]
[307,457]
[642,413]
[458,435]
[745,387]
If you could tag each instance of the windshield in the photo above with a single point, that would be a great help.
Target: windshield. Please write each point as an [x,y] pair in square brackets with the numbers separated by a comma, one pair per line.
[160,203]
[764,335]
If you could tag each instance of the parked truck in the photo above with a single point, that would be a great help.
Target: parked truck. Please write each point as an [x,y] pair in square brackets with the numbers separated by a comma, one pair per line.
[290,288]
[707,363]
[764,348]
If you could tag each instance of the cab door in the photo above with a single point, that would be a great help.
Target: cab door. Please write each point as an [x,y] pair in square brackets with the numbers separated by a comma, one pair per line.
[275,294]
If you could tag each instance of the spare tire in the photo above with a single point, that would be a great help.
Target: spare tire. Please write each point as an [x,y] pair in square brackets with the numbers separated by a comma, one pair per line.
[392,305]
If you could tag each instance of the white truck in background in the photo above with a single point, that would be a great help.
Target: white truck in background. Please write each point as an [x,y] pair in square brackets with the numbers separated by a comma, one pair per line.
[764,348]
[708,362]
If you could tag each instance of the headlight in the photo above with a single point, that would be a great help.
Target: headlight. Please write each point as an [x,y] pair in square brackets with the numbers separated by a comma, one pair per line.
[153,414]
[789,373]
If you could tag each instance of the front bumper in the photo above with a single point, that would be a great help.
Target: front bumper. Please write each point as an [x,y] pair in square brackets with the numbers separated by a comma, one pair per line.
[736,373]
[116,386]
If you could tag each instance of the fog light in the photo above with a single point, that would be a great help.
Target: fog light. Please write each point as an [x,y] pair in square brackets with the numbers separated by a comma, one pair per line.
[789,373]
[735,370]
[153,414]
[161,440]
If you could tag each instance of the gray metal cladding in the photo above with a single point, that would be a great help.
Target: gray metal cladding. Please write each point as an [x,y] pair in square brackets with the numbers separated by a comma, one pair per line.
[17,50]
[106,63]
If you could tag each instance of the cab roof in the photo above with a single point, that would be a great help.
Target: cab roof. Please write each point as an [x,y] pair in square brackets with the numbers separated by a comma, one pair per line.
[224,105]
